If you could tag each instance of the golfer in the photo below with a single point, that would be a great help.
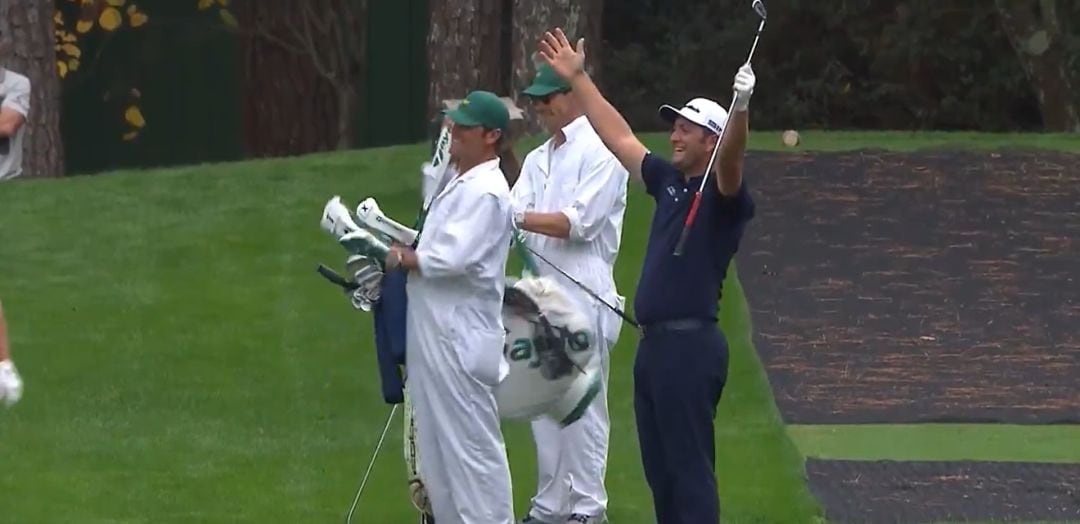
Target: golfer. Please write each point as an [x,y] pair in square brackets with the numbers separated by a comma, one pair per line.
[571,196]
[454,327]
[682,359]
[11,385]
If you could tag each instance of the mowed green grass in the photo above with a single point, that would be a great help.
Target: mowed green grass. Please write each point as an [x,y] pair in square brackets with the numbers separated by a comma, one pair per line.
[185,363]
[994,442]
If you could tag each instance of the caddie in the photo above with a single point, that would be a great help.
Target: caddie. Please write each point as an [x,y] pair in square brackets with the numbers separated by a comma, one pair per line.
[570,198]
[454,328]
[682,359]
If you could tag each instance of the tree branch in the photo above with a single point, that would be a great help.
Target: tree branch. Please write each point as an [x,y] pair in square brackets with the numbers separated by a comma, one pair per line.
[308,40]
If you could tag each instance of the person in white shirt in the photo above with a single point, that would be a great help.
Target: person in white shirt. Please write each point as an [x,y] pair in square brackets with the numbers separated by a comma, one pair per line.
[14,109]
[454,327]
[570,198]
[11,385]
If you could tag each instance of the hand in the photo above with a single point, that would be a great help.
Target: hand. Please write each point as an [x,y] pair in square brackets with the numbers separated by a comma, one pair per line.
[564,59]
[403,257]
[11,384]
[394,257]
[744,87]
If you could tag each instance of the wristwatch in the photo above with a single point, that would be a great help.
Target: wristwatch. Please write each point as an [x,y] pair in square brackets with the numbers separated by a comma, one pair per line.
[519,219]
[393,259]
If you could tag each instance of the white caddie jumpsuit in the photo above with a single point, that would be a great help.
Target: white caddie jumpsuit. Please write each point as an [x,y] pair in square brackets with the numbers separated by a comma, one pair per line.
[584,181]
[454,348]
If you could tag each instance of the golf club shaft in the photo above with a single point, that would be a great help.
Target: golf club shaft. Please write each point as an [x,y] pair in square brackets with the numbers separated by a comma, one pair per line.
[692,215]
[617,311]
[371,464]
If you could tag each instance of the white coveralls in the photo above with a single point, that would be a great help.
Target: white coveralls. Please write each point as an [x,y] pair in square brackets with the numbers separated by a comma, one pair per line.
[584,181]
[454,348]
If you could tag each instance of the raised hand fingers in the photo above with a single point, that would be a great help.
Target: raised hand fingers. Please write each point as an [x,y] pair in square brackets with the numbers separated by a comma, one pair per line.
[547,52]
[563,41]
[552,41]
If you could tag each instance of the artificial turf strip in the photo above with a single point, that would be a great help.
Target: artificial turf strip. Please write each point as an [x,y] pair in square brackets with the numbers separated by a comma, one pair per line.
[939,442]
[185,363]
[912,288]
[928,491]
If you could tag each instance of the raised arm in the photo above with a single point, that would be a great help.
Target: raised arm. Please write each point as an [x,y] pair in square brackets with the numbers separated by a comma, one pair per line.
[613,129]
[729,164]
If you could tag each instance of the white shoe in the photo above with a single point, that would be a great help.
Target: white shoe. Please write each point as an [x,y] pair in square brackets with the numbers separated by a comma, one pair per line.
[11,384]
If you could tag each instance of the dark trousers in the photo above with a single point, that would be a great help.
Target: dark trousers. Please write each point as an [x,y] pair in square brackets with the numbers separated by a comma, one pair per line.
[678,379]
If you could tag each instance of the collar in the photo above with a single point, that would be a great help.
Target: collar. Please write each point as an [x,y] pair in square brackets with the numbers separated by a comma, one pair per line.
[482,167]
[572,130]
[575,128]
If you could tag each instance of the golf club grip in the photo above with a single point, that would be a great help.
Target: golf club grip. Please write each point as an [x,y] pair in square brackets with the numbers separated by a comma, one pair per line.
[334,277]
[689,222]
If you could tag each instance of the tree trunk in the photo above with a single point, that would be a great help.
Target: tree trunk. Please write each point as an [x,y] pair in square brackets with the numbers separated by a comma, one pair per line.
[289,108]
[577,18]
[346,117]
[465,50]
[27,28]
[1036,36]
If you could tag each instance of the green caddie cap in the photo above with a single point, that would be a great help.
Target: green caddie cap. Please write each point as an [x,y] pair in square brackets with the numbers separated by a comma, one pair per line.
[481,108]
[547,81]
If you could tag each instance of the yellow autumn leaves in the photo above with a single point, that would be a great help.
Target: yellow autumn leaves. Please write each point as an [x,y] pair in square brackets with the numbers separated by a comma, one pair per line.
[110,15]
[134,117]
[107,15]
[226,17]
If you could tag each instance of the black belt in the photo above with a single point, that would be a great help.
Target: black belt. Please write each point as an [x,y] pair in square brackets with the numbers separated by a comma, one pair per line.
[680,324]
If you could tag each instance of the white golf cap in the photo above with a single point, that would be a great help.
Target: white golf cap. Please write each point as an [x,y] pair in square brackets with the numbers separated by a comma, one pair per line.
[701,111]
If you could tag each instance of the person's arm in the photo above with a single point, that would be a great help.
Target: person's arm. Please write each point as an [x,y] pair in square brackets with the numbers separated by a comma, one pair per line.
[729,165]
[456,246]
[15,108]
[594,198]
[613,129]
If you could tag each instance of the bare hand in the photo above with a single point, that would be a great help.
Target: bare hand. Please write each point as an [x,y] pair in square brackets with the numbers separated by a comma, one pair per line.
[561,56]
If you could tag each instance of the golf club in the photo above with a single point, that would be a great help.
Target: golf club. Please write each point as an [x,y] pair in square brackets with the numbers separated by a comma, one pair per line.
[375,455]
[335,278]
[759,8]
[617,311]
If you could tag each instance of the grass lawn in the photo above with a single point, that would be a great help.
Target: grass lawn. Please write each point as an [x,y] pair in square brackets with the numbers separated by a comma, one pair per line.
[993,442]
[185,363]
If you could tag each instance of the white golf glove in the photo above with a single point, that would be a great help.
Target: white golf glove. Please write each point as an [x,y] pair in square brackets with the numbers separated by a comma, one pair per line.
[368,274]
[11,385]
[744,87]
